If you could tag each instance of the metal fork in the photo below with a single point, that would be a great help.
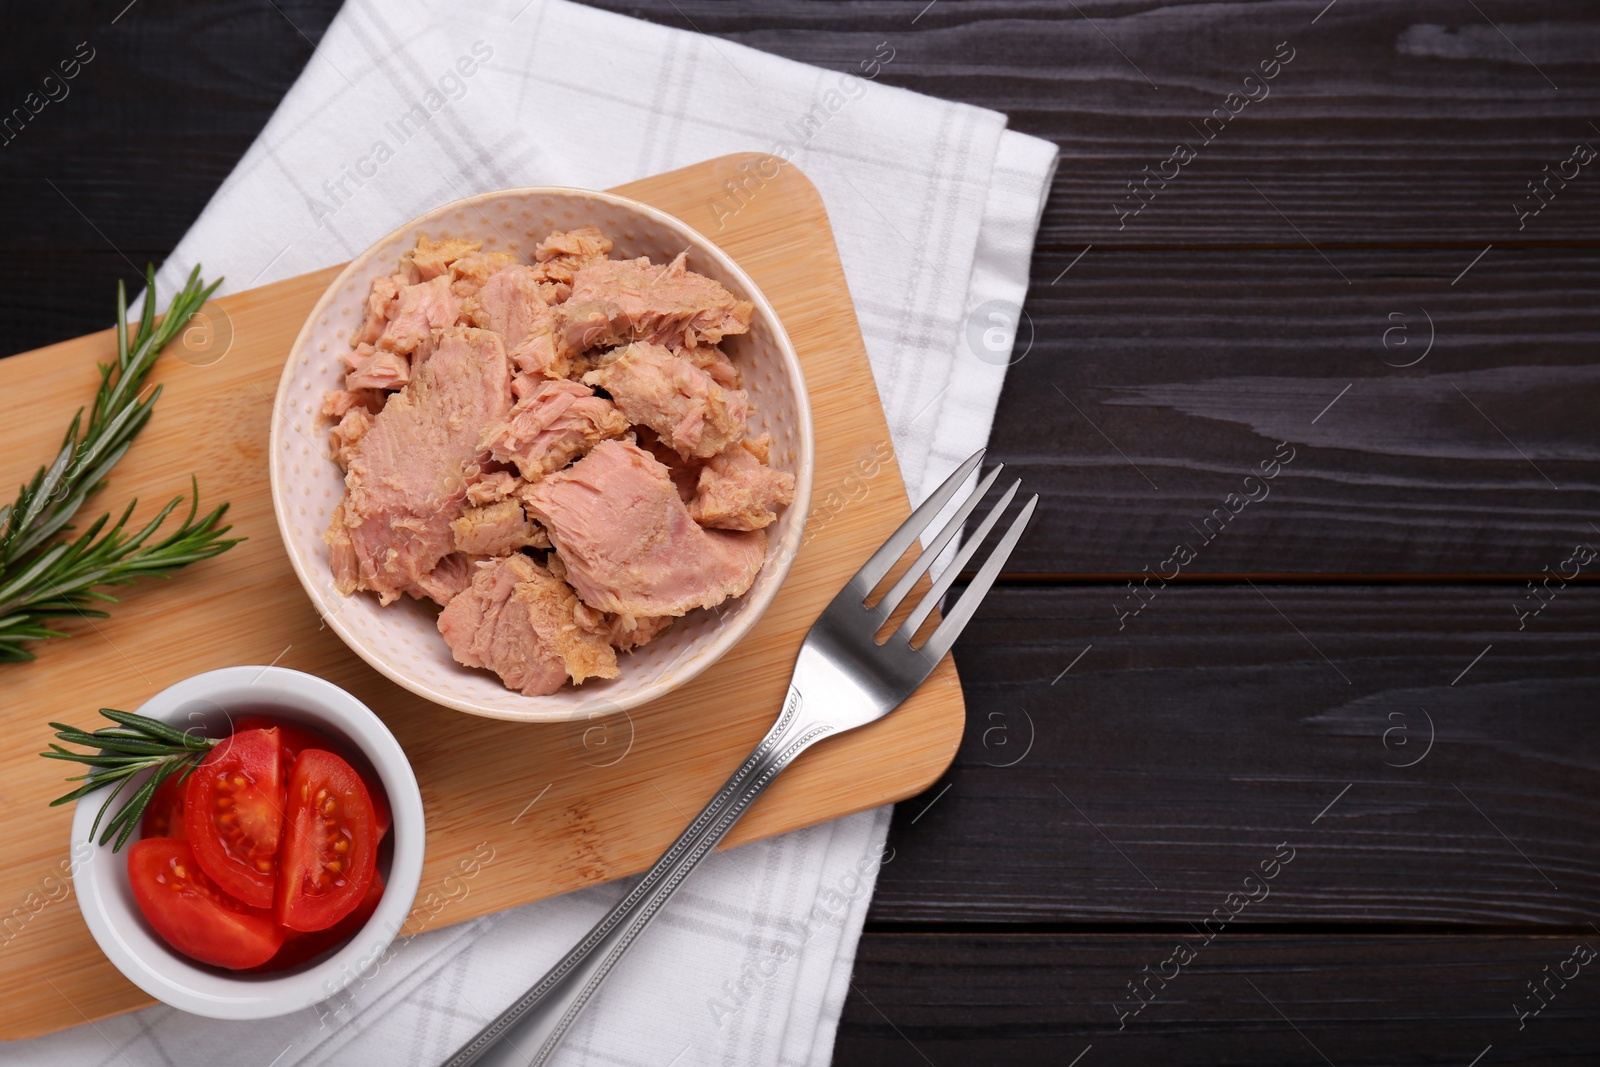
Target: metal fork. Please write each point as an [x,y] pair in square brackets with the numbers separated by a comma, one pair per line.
[842,679]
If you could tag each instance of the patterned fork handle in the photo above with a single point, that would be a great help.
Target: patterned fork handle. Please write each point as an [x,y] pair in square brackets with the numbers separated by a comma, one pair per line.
[530,1030]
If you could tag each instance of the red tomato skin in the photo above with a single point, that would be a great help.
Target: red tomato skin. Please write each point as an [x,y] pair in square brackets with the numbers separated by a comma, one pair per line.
[328,804]
[164,815]
[298,947]
[256,807]
[296,739]
[191,913]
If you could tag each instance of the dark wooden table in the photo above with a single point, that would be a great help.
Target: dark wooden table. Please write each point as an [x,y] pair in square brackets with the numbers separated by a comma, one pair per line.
[1342,688]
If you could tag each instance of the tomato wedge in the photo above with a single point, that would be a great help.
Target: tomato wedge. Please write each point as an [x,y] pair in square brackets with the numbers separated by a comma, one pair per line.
[330,843]
[192,913]
[234,814]
[298,948]
[297,739]
[163,817]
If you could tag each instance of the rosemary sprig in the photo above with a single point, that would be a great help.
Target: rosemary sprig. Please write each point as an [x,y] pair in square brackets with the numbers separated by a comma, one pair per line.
[40,580]
[134,745]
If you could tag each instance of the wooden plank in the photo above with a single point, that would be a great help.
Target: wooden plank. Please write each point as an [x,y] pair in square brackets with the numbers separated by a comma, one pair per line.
[1158,381]
[111,175]
[550,802]
[1246,1000]
[1176,754]
[1393,124]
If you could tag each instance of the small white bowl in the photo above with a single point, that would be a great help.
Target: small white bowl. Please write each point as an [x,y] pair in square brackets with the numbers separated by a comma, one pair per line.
[207,701]
[402,640]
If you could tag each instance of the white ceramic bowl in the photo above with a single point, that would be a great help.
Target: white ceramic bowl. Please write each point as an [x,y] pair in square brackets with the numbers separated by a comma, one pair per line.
[101,876]
[402,640]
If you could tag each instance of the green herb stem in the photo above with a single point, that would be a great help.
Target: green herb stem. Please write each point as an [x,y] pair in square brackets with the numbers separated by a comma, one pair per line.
[41,578]
[120,753]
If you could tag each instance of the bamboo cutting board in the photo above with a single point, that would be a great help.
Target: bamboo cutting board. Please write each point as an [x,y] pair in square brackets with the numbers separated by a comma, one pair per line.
[531,810]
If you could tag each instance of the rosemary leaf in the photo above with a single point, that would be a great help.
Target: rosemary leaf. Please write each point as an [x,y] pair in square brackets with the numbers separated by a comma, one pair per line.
[153,728]
[41,578]
[120,753]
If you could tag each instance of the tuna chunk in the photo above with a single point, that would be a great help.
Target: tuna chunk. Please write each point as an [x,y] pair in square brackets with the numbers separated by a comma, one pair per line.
[581,246]
[446,581]
[372,368]
[380,308]
[492,530]
[615,301]
[685,472]
[738,491]
[551,427]
[561,255]
[518,620]
[661,389]
[339,401]
[352,426]
[406,481]
[469,273]
[525,385]
[627,632]
[490,487]
[419,310]
[432,259]
[511,304]
[484,629]
[342,559]
[424,349]
[716,363]
[624,632]
[628,543]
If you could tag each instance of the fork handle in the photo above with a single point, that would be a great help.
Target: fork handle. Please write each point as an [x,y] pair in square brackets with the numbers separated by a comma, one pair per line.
[527,1032]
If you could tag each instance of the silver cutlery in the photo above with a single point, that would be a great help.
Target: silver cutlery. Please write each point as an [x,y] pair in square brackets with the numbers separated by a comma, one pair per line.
[843,678]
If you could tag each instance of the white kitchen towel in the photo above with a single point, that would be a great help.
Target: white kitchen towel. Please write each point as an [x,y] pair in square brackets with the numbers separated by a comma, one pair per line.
[934,206]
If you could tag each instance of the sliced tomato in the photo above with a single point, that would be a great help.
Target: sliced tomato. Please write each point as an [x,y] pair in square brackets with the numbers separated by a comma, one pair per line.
[330,843]
[194,915]
[297,739]
[294,737]
[233,812]
[298,948]
[163,816]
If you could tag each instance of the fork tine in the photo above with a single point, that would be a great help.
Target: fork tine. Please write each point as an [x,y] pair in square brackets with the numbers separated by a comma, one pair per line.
[872,572]
[892,598]
[931,598]
[945,636]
